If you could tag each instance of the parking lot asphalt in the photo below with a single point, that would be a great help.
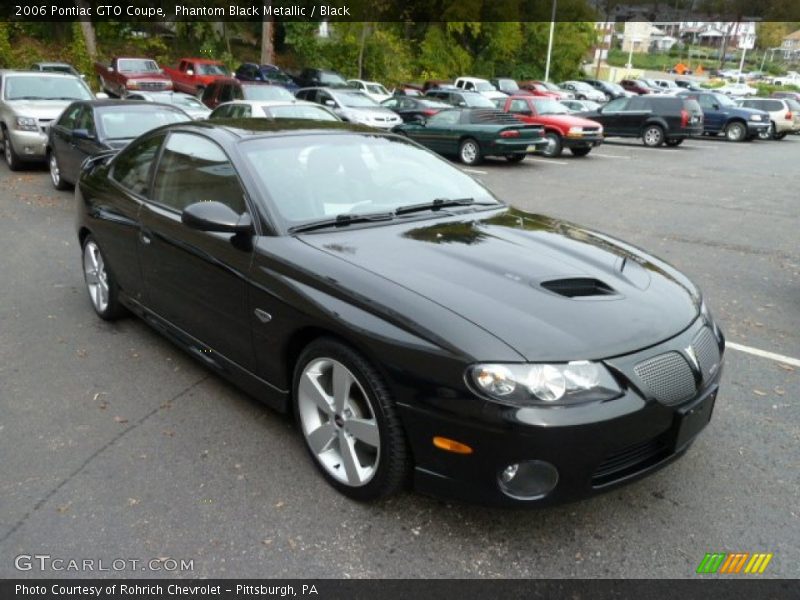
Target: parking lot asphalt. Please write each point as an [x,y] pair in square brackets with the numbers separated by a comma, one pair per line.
[116,445]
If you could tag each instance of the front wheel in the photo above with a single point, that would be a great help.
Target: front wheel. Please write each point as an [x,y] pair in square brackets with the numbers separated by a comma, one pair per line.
[349,421]
[515,158]
[580,151]
[100,283]
[554,145]
[470,152]
[653,136]
[674,142]
[735,132]
[55,172]
[12,158]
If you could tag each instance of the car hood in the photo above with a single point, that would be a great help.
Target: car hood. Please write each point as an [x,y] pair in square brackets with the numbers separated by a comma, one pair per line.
[38,109]
[490,268]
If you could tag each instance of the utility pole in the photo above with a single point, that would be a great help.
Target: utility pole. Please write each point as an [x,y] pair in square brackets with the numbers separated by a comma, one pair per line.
[550,42]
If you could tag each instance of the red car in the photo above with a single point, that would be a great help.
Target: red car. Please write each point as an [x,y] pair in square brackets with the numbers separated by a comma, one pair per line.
[561,129]
[194,75]
[631,85]
[537,88]
[123,75]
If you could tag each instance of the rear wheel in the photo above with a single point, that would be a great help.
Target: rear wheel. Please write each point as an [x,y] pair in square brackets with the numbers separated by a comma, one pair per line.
[767,134]
[735,132]
[515,158]
[580,151]
[554,145]
[653,136]
[349,421]
[469,152]
[674,142]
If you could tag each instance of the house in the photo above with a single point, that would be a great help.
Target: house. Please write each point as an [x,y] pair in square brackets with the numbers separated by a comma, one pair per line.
[642,36]
[790,46]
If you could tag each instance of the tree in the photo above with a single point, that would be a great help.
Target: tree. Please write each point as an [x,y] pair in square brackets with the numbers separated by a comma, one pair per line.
[267,38]
[87,29]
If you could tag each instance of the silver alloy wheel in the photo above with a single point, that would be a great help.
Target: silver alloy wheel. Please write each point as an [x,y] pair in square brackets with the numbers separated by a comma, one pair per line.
[735,132]
[338,422]
[469,152]
[55,172]
[652,136]
[94,270]
[552,145]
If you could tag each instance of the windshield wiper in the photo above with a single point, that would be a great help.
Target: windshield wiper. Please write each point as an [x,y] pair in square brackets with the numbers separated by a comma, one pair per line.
[342,220]
[438,203]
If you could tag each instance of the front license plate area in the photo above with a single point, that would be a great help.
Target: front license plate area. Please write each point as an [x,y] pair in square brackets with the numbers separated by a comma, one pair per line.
[692,420]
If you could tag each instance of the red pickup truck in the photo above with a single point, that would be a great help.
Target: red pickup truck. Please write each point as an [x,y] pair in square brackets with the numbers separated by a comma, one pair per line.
[561,129]
[125,75]
[194,75]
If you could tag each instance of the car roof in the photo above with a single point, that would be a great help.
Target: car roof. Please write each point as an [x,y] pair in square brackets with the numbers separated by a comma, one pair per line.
[253,103]
[258,128]
[26,73]
[202,61]
[121,102]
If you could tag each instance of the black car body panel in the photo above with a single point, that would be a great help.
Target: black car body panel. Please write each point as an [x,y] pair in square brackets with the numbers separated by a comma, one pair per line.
[423,299]
[628,117]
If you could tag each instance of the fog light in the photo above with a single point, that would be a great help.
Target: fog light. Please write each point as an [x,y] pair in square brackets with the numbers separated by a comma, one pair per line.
[528,480]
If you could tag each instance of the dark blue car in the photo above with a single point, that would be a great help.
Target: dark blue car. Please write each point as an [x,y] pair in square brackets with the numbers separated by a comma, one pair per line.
[267,73]
[723,115]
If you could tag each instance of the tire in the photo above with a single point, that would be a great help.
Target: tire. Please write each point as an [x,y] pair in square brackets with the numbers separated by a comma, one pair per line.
[769,134]
[673,142]
[515,158]
[555,146]
[469,152]
[100,282]
[781,135]
[379,459]
[735,131]
[580,151]
[653,136]
[55,172]
[11,157]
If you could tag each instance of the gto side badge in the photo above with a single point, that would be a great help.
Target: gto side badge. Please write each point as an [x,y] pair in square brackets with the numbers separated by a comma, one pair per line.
[263,315]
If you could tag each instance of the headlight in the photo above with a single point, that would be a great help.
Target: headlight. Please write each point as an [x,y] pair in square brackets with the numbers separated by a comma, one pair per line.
[755,117]
[132,84]
[545,384]
[27,124]
[575,131]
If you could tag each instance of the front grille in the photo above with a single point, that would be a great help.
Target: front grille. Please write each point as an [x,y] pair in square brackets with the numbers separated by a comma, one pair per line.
[152,85]
[707,351]
[591,129]
[630,460]
[668,378]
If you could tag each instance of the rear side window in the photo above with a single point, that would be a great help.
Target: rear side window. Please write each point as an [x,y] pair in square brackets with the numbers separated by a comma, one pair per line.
[771,105]
[195,169]
[132,165]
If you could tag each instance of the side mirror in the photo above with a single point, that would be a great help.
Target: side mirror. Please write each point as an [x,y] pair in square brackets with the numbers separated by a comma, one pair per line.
[215,216]
[190,72]
[110,69]
[101,96]
[82,134]
[715,106]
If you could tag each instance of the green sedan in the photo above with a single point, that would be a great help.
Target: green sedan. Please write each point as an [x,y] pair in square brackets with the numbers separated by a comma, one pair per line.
[473,133]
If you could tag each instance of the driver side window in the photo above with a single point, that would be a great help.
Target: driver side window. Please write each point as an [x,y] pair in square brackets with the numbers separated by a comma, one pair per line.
[616,105]
[444,118]
[67,120]
[195,169]
[520,107]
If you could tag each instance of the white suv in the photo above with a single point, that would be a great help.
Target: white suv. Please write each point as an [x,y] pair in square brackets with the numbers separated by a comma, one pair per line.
[784,115]
[482,86]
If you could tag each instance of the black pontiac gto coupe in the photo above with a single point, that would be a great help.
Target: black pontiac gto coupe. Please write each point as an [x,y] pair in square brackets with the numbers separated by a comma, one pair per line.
[419,329]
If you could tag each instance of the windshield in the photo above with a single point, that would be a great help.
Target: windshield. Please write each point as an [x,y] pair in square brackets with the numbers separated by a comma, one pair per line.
[723,100]
[278,76]
[355,99]
[266,92]
[548,106]
[59,69]
[298,111]
[331,79]
[43,87]
[124,122]
[615,87]
[478,101]
[137,65]
[484,86]
[376,88]
[309,177]
[184,100]
[213,70]
[551,86]
[507,85]
[579,85]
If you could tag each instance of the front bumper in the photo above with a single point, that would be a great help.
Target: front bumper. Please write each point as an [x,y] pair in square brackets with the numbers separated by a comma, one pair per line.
[582,141]
[29,145]
[756,127]
[594,447]
[513,146]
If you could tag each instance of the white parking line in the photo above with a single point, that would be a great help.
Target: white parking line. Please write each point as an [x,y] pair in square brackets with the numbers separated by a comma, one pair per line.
[787,360]
[548,161]
[610,156]
[475,171]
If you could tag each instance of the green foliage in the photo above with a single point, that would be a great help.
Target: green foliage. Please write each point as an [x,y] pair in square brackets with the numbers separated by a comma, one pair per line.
[5,46]
[439,57]
[79,55]
[765,89]
[302,38]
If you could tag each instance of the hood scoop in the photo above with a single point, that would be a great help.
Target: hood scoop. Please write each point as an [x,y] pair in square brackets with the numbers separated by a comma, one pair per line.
[579,287]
